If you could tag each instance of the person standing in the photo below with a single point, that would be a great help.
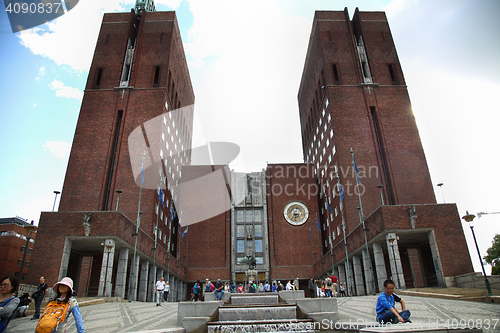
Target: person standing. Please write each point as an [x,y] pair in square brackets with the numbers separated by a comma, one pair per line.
[166,291]
[328,287]
[160,287]
[267,287]
[318,287]
[40,294]
[196,291]
[232,287]
[311,287]
[342,290]
[334,284]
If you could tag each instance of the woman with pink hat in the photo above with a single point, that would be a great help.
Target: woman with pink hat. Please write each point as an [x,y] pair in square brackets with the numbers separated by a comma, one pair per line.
[56,314]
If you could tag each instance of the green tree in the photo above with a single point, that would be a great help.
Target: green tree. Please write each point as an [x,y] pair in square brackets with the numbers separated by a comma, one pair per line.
[493,257]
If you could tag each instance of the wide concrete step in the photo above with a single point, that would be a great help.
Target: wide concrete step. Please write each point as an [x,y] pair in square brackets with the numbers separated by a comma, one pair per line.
[374,327]
[257,313]
[257,298]
[299,325]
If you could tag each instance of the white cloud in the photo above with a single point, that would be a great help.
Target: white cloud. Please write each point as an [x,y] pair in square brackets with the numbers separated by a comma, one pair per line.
[174,4]
[246,65]
[65,91]
[41,72]
[71,38]
[58,148]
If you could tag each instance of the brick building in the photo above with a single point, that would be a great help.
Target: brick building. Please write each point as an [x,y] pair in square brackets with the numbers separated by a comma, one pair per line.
[15,233]
[132,137]
[130,183]
[354,105]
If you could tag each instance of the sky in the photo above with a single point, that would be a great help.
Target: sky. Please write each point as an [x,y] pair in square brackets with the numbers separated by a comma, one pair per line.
[246,60]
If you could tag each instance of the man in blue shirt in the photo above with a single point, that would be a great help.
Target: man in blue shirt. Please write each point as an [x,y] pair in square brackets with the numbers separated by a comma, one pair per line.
[386,311]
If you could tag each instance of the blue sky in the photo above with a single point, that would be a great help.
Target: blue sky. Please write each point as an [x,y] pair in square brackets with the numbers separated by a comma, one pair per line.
[245,61]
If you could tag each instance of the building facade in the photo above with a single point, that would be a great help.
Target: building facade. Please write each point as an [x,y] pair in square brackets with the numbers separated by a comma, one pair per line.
[135,206]
[379,215]
[17,237]
[132,138]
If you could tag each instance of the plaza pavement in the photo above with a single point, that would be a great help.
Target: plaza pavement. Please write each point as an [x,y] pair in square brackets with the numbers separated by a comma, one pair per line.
[117,317]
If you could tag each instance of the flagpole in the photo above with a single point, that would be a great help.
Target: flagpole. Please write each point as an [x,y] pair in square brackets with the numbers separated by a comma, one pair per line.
[312,248]
[187,251]
[138,223]
[169,247]
[349,280]
[330,232]
[362,221]
[156,237]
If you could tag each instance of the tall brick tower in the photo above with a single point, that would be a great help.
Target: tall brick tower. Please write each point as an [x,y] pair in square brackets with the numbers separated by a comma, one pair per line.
[138,83]
[353,102]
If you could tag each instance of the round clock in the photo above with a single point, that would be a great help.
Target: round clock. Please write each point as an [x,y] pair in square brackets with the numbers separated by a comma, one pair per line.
[296,213]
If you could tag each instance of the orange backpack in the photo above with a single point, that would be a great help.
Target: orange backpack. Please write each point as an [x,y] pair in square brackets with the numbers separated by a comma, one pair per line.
[54,314]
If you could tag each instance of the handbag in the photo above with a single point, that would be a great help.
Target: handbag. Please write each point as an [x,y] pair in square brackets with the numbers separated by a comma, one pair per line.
[34,295]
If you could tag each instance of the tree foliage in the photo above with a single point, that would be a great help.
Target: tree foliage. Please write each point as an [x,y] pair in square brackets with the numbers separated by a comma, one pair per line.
[493,256]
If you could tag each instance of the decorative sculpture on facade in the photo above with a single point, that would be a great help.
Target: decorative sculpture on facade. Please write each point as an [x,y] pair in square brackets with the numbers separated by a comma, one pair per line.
[250,260]
[413,216]
[87,224]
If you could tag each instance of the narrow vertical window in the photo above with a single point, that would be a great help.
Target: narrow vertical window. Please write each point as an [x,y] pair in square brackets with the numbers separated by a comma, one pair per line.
[157,76]
[98,79]
[335,75]
[393,74]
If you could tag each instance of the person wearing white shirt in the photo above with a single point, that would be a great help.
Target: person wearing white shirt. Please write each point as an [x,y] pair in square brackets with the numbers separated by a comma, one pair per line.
[160,287]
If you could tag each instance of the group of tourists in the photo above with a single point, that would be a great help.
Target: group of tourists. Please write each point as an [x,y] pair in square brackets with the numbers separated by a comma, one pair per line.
[326,287]
[56,314]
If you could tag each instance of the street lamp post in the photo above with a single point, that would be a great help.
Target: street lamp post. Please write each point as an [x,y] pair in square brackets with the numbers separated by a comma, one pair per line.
[55,199]
[469,218]
[118,199]
[380,187]
[441,187]
[391,240]
[29,230]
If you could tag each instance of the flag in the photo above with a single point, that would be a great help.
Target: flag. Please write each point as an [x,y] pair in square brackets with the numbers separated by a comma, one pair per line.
[317,223]
[185,232]
[172,212]
[328,205]
[180,225]
[355,168]
[341,192]
[160,195]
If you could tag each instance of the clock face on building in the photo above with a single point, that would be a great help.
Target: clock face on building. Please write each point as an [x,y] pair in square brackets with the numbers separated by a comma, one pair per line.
[296,213]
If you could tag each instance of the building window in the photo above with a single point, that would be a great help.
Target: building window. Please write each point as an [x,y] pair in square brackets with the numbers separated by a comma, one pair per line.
[393,74]
[240,231]
[29,251]
[98,79]
[258,230]
[259,260]
[157,76]
[258,245]
[336,79]
[19,262]
[23,248]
